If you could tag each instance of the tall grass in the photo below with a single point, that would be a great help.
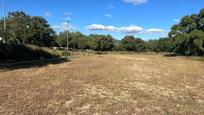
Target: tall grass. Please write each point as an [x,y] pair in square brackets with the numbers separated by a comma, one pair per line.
[17,52]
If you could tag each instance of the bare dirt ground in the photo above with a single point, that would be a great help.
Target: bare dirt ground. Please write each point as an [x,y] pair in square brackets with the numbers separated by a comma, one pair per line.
[106,84]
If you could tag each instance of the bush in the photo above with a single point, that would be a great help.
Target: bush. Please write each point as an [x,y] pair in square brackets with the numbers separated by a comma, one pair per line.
[23,52]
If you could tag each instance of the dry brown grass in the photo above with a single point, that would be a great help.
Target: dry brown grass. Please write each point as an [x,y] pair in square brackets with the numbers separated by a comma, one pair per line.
[106,84]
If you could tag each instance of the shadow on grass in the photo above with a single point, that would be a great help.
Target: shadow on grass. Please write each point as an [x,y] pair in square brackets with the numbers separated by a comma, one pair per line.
[171,55]
[101,53]
[197,58]
[31,64]
[14,56]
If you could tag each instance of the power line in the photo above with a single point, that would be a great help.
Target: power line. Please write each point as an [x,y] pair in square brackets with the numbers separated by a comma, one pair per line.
[4,16]
[67,36]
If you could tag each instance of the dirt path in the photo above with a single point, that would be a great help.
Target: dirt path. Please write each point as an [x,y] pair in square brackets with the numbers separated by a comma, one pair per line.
[106,84]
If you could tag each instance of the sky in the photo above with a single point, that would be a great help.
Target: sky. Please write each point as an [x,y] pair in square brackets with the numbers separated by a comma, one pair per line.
[147,19]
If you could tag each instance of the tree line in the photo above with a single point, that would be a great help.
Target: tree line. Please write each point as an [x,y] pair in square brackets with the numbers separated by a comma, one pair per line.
[185,38]
[24,29]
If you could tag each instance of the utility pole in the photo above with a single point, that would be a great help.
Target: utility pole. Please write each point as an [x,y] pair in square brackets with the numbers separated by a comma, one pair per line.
[67,36]
[4,16]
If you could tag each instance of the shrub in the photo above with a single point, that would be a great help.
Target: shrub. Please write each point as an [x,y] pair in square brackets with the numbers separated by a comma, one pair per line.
[23,52]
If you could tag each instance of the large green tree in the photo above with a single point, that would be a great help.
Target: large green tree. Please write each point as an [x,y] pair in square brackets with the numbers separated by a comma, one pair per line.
[188,35]
[25,29]
[18,27]
[130,43]
[103,42]
[41,32]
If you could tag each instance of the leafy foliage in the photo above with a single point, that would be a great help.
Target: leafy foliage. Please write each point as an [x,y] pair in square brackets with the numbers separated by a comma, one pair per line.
[21,30]
[17,52]
[24,29]
[185,38]
[188,35]
[130,43]
[77,40]
[103,42]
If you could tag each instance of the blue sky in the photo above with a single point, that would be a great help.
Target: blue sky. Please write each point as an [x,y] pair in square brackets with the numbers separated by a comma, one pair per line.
[148,19]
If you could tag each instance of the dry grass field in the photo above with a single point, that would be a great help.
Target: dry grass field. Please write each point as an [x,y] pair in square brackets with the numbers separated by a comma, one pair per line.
[123,84]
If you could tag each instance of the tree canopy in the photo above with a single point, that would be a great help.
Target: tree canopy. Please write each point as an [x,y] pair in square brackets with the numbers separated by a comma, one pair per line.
[188,35]
[185,38]
[25,29]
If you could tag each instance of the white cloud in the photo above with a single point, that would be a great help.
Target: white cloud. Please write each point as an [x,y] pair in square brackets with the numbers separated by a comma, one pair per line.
[96,27]
[48,14]
[128,29]
[64,26]
[135,2]
[108,15]
[132,29]
[154,30]
[177,20]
